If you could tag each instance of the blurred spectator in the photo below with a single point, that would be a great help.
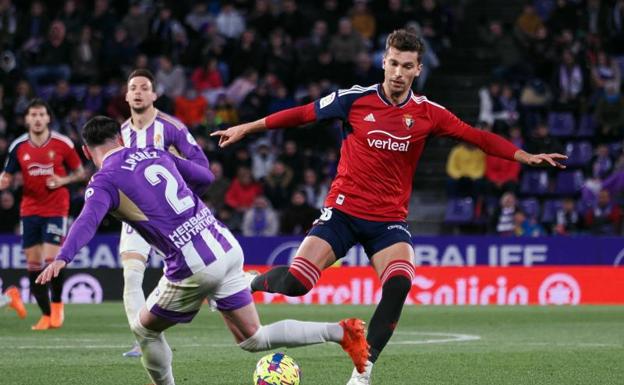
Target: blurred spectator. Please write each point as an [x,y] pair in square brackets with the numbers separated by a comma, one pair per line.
[501,47]
[170,78]
[610,115]
[568,220]
[136,23]
[261,219]
[605,73]
[262,159]
[534,99]
[568,84]
[31,31]
[261,19]
[605,218]
[117,107]
[503,219]
[8,26]
[429,59]
[199,17]
[242,86]
[331,14]
[292,20]
[281,100]
[9,212]
[278,184]
[526,227]
[391,17]
[280,60]
[51,63]
[215,193]
[190,108]
[362,19]
[249,50]
[72,19]
[62,101]
[344,47]
[293,158]
[315,192]
[564,16]
[297,218]
[465,167]
[103,20]
[230,23]
[85,57]
[434,23]
[225,111]
[207,77]
[601,164]
[120,52]
[364,73]
[167,35]
[542,143]
[242,191]
[528,24]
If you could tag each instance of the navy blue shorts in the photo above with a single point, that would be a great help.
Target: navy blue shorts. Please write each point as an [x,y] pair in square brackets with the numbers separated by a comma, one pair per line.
[342,231]
[37,230]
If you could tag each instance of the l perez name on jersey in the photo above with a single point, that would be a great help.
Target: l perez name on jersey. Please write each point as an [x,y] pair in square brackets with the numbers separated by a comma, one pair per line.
[193,226]
[134,159]
[389,142]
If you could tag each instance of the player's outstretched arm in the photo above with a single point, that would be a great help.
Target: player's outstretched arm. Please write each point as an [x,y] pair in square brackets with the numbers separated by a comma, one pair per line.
[538,160]
[236,133]
[290,117]
[52,271]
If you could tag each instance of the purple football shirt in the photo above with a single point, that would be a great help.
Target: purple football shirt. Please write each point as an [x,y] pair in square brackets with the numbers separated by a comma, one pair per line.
[152,191]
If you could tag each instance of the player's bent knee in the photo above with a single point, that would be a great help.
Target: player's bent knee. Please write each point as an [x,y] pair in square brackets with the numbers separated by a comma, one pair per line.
[141,332]
[256,343]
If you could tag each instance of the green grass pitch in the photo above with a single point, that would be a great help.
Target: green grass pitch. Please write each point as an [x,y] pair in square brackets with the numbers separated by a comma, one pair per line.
[432,345]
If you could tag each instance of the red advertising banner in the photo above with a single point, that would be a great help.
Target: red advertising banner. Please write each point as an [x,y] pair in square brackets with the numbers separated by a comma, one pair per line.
[558,285]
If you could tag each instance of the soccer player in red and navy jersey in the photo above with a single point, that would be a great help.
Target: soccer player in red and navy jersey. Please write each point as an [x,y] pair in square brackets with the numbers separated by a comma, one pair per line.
[386,127]
[44,158]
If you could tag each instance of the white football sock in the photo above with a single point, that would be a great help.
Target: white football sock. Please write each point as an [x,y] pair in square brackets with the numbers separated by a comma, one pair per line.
[292,333]
[133,296]
[157,354]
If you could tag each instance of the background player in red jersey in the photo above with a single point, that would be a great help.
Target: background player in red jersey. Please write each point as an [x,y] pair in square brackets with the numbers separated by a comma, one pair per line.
[386,126]
[43,157]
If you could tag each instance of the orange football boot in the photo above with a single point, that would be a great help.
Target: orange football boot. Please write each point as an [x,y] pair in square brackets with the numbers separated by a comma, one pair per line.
[43,324]
[354,342]
[16,301]
[57,315]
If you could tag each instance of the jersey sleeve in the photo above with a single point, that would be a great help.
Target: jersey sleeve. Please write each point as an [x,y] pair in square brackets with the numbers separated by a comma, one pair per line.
[336,105]
[98,202]
[197,177]
[447,124]
[71,159]
[188,147]
[12,165]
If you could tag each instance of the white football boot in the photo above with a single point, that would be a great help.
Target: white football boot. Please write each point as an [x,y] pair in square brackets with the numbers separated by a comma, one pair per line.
[361,378]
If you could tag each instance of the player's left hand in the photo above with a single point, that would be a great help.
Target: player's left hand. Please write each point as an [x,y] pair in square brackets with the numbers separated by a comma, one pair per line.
[55,182]
[52,271]
[538,160]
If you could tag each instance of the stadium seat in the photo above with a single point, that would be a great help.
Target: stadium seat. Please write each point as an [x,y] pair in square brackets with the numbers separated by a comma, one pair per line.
[534,182]
[587,126]
[531,207]
[459,211]
[569,182]
[561,123]
[579,153]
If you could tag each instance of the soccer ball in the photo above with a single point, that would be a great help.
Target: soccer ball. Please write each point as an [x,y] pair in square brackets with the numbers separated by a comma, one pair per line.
[276,369]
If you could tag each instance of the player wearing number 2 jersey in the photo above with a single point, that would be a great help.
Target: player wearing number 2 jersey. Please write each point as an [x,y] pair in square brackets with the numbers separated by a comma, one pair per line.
[154,193]
[147,127]
[385,126]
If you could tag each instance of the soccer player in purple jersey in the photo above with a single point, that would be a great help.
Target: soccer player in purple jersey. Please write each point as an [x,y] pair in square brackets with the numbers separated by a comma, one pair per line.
[154,192]
[147,127]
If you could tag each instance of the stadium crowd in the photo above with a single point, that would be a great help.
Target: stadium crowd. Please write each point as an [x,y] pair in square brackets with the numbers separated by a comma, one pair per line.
[556,87]
[216,63]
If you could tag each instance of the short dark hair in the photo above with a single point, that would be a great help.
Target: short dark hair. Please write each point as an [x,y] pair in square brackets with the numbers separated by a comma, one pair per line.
[37,103]
[406,40]
[99,130]
[144,73]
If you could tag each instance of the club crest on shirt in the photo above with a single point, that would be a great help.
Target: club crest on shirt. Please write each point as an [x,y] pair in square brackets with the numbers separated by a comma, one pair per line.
[408,120]
[51,154]
[26,157]
[158,140]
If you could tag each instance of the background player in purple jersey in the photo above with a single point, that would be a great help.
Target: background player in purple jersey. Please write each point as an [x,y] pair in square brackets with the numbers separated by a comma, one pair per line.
[154,192]
[147,127]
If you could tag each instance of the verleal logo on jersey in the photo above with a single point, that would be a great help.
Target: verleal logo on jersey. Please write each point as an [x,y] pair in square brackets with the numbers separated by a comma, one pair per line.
[39,169]
[388,141]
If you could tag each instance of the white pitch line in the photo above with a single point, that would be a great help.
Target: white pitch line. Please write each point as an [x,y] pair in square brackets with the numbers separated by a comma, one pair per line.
[450,337]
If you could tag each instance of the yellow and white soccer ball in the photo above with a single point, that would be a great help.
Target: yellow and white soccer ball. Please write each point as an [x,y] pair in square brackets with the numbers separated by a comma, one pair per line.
[276,369]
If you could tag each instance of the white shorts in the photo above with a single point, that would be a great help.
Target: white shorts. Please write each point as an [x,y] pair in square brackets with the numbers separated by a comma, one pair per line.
[133,242]
[223,281]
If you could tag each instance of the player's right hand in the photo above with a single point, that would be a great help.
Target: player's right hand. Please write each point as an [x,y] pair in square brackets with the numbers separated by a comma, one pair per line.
[231,135]
[52,271]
